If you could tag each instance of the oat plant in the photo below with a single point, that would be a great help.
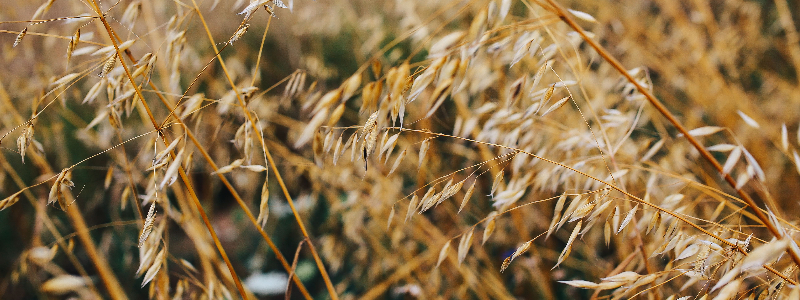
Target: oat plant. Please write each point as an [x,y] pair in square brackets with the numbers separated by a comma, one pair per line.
[488,149]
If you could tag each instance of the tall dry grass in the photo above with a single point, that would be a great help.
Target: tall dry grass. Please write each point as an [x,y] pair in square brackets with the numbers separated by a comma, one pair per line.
[399,149]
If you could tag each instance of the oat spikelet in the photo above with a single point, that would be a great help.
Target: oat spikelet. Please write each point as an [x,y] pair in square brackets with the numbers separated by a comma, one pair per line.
[583,284]
[263,208]
[20,36]
[451,190]
[764,254]
[540,73]
[520,250]
[423,149]
[254,168]
[568,247]
[163,153]
[705,130]
[464,244]
[439,95]
[556,214]
[467,196]
[627,219]
[153,270]
[350,86]
[553,224]
[443,253]
[397,161]
[371,133]
[497,180]
[109,65]
[548,94]
[148,224]
[689,251]
[654,222]
[336,152]
[582,15]
[784,138]
[582,211]
[252,7]
[239,33]
[556,105]
[729,291]
[506,262]
[63,284]
[227,169]
[10,200]
[489,230]
[24,140]
[55,190]
[336,115]
[172,172]
[388,146]
[72,44]
[733,158]
[389,221]
[747,119]
[412,206]
[317,147]
[722,148]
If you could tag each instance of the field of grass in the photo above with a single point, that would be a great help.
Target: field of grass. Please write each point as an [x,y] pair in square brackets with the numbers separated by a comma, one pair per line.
[332,149]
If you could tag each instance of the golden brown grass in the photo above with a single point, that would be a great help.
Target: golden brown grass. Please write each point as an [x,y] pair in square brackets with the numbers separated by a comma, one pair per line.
[399,149]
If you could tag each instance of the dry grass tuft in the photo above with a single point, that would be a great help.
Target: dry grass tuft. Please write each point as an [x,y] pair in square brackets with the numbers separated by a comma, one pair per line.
[602,150]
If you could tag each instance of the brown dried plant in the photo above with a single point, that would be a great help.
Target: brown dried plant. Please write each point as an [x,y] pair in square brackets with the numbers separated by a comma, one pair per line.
[596,149]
